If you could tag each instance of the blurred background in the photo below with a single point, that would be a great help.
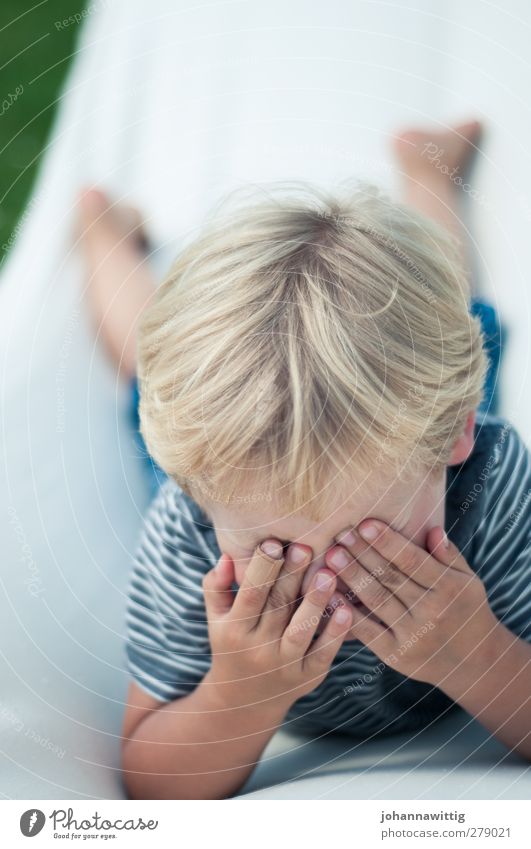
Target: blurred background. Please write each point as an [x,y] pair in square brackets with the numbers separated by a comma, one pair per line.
[167,105]
[35,58]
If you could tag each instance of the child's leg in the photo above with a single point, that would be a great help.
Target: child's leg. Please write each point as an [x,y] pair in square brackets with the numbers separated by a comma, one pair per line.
[119,287]
[432,166]
[119,283]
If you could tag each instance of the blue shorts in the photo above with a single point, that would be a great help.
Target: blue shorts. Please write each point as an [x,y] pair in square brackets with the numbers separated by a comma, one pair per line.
[494,337]
[155,477]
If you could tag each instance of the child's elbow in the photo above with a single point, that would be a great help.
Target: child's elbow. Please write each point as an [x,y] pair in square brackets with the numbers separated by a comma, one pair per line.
[140,776]
[132,776]
[143,778]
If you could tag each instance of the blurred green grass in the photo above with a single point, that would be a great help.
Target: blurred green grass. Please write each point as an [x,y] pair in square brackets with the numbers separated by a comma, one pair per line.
[35,52]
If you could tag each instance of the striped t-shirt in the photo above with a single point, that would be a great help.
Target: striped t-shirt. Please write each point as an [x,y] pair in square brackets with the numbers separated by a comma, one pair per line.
[488,517]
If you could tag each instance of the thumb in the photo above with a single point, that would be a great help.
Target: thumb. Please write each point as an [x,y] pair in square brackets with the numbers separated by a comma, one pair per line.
[217,587]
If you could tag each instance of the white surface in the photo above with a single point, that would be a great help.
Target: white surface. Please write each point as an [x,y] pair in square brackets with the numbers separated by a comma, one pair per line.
[453,758]
[170,104]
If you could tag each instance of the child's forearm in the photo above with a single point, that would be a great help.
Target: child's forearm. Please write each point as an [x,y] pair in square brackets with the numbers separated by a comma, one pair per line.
[494,685]
[197,747]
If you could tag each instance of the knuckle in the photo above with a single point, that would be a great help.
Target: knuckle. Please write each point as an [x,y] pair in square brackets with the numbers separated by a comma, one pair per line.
[297,632]
[350,573]
[409,561]
[251,595]
[378,594]
[390,578]
[262,656]
[323,657]
[295,636]
[277,598]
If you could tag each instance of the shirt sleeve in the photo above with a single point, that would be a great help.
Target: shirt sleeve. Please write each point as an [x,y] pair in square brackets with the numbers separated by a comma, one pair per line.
[167,646]
[503,554]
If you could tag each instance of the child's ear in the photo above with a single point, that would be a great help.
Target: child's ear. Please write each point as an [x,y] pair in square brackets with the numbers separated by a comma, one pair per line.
[464,445]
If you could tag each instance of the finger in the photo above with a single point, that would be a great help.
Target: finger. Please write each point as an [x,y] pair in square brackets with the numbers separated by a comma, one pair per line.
[348,599]
[345,597]
[412,560]
[286,591]
[403,587]
[372,634]
[259,577]
[367,587]
[217,588]
[303,625]
[337,600]
[445,551]
[323,650]
[310,574]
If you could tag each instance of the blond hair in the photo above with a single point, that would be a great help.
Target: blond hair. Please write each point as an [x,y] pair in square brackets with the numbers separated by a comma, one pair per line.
[303,340]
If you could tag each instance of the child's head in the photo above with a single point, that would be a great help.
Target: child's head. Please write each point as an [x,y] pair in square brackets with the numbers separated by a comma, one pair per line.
[311,361]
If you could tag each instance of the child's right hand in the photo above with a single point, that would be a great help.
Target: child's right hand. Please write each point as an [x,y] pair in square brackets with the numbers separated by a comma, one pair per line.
[263,655]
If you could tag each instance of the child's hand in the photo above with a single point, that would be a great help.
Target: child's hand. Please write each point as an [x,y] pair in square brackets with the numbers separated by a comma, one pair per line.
[341,596]
[426,614]
[262,650]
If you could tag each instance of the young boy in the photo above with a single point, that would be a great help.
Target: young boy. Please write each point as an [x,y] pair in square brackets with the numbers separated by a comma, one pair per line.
[310,371]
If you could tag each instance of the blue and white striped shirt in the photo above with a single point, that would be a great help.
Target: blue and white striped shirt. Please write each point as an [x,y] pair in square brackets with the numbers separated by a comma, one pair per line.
[488,517]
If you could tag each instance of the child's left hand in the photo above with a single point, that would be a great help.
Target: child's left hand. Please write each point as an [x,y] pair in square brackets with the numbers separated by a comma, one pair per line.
[428,611]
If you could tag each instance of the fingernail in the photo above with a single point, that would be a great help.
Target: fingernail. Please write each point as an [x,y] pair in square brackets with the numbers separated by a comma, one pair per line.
[342,615]
[323,581]
[272,549]
[445,540]
[347,537]
[339,558]
[369,531]
[297,554]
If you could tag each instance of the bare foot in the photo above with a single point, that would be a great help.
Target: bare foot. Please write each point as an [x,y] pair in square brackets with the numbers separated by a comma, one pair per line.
[427,155]
[119,281]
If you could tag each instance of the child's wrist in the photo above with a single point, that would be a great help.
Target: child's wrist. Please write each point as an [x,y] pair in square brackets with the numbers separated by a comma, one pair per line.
[228,697]
[470,673]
